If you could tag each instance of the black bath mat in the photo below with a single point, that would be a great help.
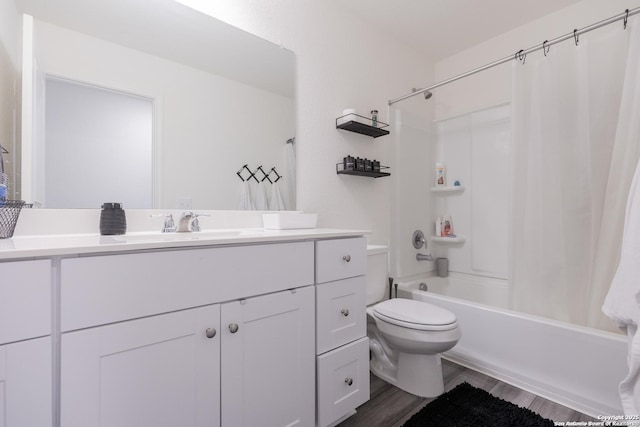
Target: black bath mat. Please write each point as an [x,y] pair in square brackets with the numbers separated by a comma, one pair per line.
[466,405]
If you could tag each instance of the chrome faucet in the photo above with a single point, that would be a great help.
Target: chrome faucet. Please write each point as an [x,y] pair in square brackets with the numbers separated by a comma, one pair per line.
[185,224]
[423,257]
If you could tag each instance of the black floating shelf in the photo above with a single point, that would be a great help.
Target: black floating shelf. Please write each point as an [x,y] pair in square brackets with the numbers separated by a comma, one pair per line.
[354,123]
[371,174]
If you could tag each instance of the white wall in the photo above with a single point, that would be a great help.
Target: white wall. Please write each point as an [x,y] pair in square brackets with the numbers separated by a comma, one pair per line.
[475,151]
[341,63]
[9,73]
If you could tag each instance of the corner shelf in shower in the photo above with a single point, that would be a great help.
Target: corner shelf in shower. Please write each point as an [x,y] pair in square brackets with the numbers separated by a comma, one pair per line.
[454,189]
[448,240]
[340,170]
[354,123]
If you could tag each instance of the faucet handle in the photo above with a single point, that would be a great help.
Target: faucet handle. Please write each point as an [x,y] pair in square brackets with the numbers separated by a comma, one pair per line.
[195,224]
[169,224]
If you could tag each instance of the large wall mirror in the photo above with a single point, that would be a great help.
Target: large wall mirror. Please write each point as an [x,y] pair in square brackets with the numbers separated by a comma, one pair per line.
[216,98]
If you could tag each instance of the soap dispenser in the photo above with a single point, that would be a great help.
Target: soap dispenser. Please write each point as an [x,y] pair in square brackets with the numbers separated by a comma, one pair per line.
[4,181]
[112,219]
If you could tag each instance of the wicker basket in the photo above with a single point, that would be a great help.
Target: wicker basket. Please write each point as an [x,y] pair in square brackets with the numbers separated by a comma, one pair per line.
[9,213]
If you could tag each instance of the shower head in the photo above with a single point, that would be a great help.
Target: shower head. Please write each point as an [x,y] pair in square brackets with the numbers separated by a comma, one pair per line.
[427,94]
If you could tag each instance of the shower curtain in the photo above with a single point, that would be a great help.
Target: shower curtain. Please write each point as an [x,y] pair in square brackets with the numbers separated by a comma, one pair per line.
[570,174]
[290,175]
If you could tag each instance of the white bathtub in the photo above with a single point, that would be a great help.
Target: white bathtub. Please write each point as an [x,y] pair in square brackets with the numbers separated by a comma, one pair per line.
[575,366]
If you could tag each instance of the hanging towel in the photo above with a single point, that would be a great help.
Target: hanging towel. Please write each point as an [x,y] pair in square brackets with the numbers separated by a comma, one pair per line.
[245,203]
[262,202]
[622,303]
[276,203]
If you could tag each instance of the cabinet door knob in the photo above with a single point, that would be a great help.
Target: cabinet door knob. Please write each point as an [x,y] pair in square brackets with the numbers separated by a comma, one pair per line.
[211,332]
[346,258]
[345,312]
[233,328]
[348,381]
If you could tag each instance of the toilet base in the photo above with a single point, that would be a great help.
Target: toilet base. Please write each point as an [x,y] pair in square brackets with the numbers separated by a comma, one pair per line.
[418,374]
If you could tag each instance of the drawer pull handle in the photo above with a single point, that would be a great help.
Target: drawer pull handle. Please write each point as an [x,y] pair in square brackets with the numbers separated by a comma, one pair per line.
[345,312]
[349,381]
[211,332]
[233,328]
[346,258]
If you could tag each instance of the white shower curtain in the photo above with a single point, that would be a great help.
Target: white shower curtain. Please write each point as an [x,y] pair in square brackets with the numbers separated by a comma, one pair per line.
[568,177]
[290,175]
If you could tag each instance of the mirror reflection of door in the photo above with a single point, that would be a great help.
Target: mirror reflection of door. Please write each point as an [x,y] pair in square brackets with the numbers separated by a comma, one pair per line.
[111,131]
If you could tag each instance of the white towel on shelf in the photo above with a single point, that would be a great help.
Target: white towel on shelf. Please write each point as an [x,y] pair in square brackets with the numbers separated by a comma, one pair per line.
[262,202]
[622,303]
[277,202]
[245,203]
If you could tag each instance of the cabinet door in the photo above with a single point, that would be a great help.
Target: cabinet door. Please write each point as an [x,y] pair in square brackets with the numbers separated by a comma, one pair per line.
[25,383]
[157,371]
[268,347]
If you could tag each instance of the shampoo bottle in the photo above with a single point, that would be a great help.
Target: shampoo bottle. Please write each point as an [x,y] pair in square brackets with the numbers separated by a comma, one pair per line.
[440,182]
[447,225]
[438,231]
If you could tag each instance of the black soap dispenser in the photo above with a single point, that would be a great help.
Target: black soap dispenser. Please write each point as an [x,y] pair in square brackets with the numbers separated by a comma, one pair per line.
[112,219]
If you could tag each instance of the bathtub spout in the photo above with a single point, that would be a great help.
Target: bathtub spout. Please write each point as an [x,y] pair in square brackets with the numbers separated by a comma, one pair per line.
[422,257]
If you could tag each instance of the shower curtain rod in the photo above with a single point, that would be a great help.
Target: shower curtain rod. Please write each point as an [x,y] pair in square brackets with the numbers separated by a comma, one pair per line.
[522,53]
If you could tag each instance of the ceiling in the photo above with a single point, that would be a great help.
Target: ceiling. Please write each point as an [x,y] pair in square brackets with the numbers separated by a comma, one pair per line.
[441,28]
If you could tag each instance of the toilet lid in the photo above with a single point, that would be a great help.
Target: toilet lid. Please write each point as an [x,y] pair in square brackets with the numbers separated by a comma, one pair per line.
[416,314]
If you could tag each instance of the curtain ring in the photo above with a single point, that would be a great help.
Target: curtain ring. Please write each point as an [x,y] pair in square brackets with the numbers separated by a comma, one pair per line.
[545,49]
[625,18]
[575,36]
[520,56]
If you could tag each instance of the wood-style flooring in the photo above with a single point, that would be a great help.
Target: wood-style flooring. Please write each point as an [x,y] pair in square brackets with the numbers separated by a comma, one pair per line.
[391,407]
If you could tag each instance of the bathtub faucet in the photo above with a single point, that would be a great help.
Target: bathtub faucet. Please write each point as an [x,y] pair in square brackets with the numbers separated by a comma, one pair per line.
[422,257]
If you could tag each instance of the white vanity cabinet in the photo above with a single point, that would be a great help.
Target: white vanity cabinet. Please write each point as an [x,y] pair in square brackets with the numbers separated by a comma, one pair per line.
[196,337]
[342,346]
[25,343]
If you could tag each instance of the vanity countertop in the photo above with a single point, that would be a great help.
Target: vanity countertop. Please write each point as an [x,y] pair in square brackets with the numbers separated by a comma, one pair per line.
[21,247]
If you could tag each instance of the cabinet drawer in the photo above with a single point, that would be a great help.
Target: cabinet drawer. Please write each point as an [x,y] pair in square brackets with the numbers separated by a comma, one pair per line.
[343,381]
[340,313]
[104,289]
[25,300]
[340,258]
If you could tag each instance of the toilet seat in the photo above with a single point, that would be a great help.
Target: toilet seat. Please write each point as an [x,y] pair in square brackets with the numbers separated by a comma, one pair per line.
[415,315]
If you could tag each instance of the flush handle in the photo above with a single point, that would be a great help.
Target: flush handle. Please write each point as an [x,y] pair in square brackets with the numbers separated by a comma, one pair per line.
[348,381]
[210,332]
[346,258]
[345,312]
[233,328]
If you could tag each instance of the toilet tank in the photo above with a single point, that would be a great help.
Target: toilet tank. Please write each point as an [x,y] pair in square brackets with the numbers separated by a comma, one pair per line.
[377,273]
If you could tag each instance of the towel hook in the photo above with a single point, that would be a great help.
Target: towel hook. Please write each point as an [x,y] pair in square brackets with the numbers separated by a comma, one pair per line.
[273,169]
[251,174]
[239,173]
[264,175]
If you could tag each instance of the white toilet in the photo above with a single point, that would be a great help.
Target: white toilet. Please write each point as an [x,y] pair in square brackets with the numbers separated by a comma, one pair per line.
[406,336]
